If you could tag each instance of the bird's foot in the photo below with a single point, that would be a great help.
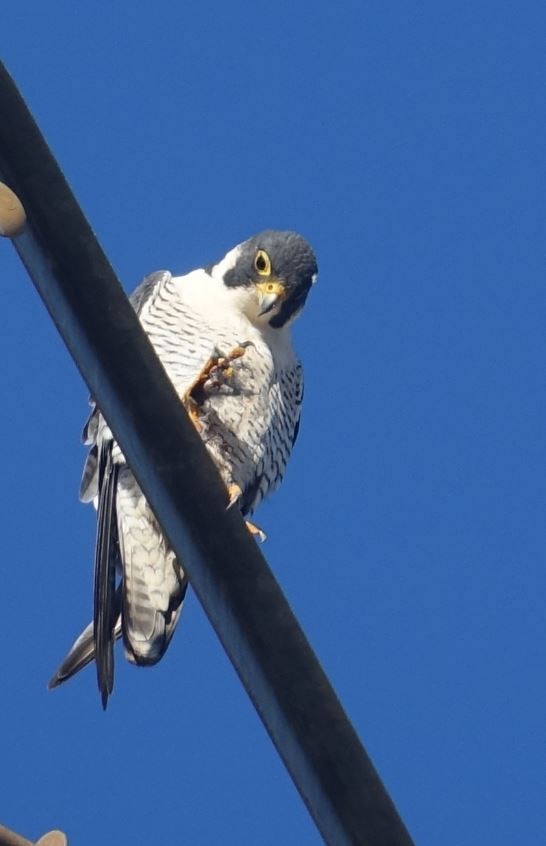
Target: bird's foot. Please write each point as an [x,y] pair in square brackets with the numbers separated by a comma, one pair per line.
[235,493]
[220,368]
[192,408]
[217,370]
[256,532]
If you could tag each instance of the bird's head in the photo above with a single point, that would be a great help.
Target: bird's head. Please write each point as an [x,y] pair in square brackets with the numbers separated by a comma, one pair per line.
[272,273]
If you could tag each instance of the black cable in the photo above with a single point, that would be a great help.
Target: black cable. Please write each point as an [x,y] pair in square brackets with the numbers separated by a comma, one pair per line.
[226,569]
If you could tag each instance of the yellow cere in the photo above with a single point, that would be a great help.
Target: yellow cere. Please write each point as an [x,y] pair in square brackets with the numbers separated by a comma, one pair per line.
[272,287]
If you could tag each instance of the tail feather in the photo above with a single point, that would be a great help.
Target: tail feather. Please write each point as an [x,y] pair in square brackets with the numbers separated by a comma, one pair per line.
[147,631]
[106,557]
[154,584]
[82,651]
[145,607]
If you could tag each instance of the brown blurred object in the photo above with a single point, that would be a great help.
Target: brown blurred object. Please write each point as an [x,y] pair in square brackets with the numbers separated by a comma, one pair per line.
[52,838]
[12,213]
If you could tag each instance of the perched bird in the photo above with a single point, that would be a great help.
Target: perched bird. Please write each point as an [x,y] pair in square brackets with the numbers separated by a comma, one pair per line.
[222,334]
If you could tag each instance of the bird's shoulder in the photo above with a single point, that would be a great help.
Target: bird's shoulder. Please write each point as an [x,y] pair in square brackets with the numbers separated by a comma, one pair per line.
[164,285]
[148,287]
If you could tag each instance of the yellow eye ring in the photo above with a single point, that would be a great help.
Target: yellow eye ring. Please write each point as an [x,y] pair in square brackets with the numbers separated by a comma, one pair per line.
[262,263]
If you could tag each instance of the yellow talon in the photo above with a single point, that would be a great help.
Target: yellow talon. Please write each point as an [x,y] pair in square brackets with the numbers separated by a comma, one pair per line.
[255,531]
[234,493]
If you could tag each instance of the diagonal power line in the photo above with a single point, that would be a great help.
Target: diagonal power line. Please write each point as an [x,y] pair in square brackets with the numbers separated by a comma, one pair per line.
[230,576]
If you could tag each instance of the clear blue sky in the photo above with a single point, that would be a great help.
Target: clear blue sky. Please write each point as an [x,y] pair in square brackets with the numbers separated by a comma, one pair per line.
[407,142]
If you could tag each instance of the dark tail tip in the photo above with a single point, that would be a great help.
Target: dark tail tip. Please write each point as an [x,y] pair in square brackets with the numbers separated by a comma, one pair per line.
[54,682]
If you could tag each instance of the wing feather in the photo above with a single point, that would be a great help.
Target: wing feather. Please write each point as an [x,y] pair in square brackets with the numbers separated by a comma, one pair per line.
[106,557]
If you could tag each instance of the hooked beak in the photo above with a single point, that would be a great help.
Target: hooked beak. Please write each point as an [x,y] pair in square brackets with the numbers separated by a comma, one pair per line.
[269,294]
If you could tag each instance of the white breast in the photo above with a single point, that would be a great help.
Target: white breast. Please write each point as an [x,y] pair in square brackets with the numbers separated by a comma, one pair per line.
[248,423]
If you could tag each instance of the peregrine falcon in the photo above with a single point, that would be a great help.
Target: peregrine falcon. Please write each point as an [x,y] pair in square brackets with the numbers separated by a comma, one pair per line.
[222,334]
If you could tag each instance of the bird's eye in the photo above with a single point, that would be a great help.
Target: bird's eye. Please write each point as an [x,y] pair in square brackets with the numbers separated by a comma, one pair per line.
[262,263]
